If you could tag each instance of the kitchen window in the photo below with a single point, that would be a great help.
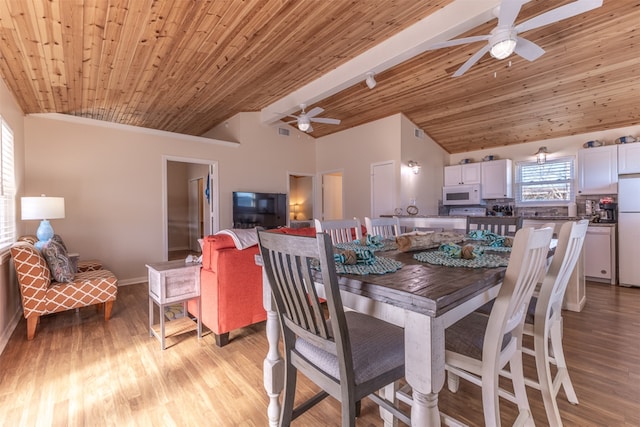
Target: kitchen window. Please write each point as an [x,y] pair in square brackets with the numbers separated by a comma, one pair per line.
[549,184]
[7,187]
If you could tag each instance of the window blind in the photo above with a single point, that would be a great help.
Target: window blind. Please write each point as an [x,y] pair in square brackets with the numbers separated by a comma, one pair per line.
[549,183]
[7,187]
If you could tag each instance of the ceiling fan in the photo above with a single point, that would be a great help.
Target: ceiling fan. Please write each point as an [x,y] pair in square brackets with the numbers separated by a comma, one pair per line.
[304,119]
[503,39]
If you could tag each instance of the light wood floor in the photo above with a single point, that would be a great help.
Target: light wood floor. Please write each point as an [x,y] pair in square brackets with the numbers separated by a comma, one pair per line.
[82,371]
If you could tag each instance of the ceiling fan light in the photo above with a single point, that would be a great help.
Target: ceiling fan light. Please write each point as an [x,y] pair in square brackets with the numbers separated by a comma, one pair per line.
[304,123]
[503,48]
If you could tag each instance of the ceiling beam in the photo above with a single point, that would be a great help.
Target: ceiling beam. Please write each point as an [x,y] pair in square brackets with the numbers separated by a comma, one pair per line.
[449,22]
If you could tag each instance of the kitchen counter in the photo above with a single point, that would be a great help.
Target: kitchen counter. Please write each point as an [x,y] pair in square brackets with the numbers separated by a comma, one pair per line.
[424,216]
[568,218]
[528,217]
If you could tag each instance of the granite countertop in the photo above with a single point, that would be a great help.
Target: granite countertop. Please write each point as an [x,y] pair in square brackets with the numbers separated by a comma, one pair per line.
[426,216]
[568,218]
[527,217]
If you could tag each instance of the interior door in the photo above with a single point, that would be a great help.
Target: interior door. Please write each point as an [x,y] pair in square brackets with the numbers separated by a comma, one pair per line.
[332,196]
[196,213]
[383,189]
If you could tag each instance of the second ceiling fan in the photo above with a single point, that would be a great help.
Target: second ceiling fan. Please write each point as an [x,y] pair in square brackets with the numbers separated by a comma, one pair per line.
[304,119]
[503,39]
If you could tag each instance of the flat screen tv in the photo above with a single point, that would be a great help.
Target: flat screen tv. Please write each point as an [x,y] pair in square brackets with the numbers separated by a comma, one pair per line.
[250,209]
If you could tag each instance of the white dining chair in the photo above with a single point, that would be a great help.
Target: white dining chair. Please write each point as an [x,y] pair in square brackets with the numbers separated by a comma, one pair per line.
[544,321]
[409,224]
[384,227]
[340,230]
[478,347]
[348,355]
[503,226]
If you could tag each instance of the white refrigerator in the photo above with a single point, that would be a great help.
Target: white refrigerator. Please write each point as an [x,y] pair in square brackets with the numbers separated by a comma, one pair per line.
[628,229]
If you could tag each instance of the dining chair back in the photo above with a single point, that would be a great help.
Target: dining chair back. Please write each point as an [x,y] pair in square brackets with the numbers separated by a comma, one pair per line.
[478,347]
[384,227]
[545,323]
[349,355]
[502,225]
[340,230]
[413,223]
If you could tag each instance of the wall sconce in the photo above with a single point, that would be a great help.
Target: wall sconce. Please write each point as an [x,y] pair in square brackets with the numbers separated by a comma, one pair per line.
[370,81]
[42,208]
[541,155]
[414,166]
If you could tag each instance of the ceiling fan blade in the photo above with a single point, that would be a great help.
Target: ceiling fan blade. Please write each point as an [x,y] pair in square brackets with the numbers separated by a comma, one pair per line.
[471,61]
[326,120]
[314,112]
[457,42]
[558,14]
[292,121]
[528,49]
[509,10]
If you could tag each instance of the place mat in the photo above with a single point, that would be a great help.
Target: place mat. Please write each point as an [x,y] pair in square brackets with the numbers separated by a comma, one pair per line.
[482,261]
[382,246]
[377,265]
[381,265]
[490,240]
[493,248]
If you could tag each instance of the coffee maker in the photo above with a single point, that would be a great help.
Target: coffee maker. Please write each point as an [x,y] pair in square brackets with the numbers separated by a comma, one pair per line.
[608,212]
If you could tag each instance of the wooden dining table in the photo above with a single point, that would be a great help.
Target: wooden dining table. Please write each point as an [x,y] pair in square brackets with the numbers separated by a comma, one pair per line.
[422,298]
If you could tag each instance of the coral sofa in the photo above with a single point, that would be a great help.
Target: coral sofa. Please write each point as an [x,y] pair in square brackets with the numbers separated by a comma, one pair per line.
[231,285]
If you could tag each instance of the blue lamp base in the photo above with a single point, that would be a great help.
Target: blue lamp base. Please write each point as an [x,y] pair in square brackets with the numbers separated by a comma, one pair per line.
[44,233]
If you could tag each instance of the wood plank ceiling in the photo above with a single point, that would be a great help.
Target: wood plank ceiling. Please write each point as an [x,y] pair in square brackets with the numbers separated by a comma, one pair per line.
[187,66]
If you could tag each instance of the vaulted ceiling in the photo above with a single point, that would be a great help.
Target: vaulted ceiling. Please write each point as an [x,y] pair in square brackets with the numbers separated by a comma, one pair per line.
[187,66]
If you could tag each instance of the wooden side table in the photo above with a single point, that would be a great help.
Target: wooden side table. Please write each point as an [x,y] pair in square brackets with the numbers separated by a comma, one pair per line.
[173,282]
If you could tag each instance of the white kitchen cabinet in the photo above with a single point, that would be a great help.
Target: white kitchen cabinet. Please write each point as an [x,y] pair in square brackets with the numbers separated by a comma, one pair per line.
[575,296]
[497,179]
[468,173]
[629,158]
[598,170]
[600,254]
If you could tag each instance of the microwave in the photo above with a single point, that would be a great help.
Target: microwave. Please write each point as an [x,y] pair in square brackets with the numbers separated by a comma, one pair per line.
[461,195]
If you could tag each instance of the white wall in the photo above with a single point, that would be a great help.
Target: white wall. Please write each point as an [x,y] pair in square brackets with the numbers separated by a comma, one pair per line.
[392,138]
[10,309]
[352,151]
[111,179]
[426,186]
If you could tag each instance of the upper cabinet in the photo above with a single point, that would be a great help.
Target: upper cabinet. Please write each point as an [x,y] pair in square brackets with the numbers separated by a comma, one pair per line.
[629,158]
[497,179]
[598,170]
[468,173]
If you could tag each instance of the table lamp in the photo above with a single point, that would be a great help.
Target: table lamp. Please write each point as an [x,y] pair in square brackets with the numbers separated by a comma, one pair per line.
[42,208]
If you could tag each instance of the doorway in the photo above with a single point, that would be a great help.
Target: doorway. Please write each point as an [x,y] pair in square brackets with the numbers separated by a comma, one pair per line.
[190,204]
[302,196]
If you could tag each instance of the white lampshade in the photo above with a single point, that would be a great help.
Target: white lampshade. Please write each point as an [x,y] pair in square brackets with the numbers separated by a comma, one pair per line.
[42,207]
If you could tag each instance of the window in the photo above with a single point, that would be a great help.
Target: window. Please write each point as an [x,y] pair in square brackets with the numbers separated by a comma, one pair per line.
[7,187]
[551,183]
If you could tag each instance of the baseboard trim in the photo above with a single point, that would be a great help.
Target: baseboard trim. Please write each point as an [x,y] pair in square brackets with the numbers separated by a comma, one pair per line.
[133,281]
[6,334]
